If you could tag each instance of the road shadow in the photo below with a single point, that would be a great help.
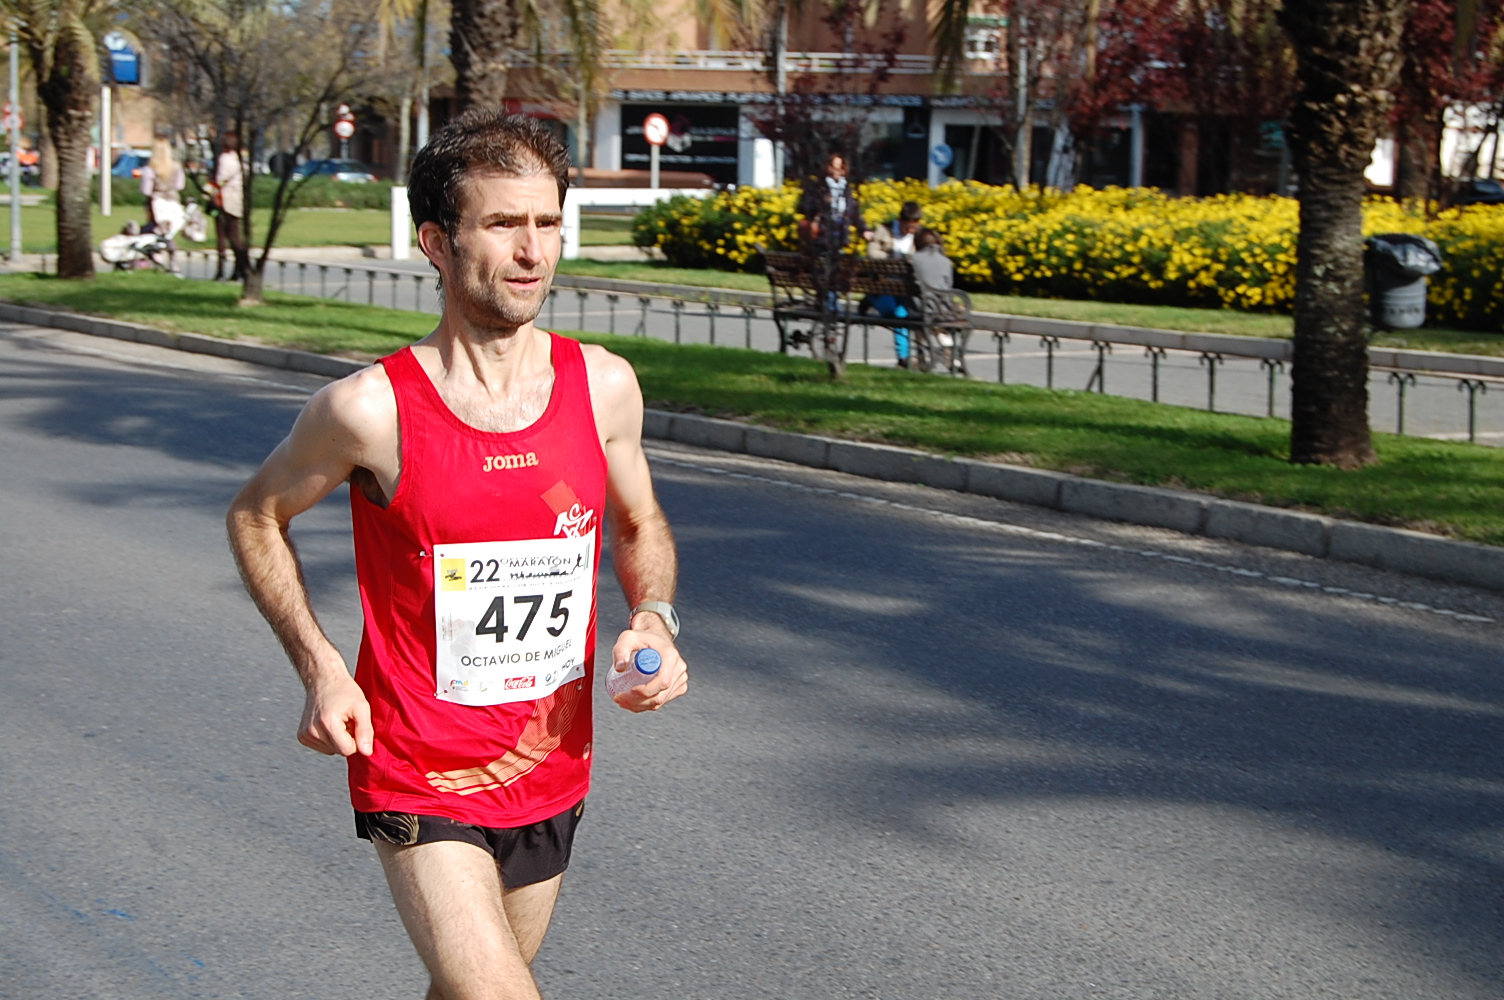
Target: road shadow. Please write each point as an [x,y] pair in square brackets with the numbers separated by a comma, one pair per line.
[215,431]
[1145,682]
[208,419]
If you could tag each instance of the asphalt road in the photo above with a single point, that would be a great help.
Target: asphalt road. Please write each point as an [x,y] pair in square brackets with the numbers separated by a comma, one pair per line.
[936,746]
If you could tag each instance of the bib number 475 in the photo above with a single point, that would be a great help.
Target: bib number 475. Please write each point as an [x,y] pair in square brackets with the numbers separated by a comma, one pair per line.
[494,621]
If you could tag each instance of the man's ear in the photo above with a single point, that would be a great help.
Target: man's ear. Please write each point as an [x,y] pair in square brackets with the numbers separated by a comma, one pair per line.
[433,241]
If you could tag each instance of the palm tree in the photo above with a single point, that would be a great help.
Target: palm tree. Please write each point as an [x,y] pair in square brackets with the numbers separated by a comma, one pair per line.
[1349,58]
[486,35]
[61,38]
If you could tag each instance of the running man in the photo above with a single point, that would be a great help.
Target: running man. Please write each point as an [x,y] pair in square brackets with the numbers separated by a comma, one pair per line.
[479,462]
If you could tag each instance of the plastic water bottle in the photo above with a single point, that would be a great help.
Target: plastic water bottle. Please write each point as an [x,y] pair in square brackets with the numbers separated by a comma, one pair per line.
[644,668]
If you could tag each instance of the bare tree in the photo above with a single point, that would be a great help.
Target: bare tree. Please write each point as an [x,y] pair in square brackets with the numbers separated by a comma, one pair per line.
[1349,57]
[252,67]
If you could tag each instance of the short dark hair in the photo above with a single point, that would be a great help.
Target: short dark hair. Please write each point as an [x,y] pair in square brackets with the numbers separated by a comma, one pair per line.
[480,141]
[910,212]
[927,238]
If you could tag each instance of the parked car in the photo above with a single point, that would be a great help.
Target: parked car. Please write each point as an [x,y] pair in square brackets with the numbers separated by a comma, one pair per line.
[350,171]
[30,168]
[130,162]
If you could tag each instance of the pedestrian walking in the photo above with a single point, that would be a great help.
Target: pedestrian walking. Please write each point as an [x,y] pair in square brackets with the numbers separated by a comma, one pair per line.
[480,460]
[162,182]
[830,209]
[229,199]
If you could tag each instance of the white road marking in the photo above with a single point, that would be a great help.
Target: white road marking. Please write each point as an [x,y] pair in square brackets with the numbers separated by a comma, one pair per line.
[1055,536]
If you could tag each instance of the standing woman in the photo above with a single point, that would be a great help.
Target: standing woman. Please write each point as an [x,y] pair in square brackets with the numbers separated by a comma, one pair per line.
[229,182]
[162,182]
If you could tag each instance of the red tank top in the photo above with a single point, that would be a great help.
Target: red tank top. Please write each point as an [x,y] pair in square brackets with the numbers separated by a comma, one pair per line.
[496,765]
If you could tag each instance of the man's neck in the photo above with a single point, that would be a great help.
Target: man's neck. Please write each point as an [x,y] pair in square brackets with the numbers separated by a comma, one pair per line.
[492,360]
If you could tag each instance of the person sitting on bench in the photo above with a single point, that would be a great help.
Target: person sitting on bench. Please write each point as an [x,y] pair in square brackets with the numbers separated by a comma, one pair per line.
[931,266]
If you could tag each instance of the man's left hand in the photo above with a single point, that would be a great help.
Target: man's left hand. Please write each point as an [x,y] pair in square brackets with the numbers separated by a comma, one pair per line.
[673,676]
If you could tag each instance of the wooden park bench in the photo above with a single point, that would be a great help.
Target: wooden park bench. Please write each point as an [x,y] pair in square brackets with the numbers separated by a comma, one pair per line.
[827,296]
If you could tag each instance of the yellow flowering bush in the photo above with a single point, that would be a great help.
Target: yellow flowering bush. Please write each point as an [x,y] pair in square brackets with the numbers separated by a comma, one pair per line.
[1113,244]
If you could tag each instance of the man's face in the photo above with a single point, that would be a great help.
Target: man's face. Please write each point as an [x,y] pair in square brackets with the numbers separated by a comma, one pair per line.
[909,227]
[498,268]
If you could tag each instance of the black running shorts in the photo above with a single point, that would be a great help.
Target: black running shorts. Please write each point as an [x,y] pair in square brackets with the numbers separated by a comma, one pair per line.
[526,854]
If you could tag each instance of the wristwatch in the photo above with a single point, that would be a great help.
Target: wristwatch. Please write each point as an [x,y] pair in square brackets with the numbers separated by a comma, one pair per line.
[663,610]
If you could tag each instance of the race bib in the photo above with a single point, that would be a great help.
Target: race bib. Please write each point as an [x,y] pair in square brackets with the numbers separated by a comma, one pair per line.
[511,617]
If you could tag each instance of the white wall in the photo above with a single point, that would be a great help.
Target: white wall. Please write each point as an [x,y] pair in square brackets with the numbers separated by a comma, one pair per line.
[1380,169]
[617,197]
[747,139]
[607,152]
[1464,127]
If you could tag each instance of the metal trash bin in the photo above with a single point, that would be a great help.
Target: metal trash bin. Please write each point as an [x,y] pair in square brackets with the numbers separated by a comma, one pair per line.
[1397,266]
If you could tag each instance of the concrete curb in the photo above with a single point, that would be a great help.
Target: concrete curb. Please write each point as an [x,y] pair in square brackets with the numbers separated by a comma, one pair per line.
[1393,549]
[194,343]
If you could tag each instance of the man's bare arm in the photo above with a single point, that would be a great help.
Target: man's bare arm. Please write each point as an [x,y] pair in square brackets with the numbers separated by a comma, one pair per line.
[642,544]
[331,436]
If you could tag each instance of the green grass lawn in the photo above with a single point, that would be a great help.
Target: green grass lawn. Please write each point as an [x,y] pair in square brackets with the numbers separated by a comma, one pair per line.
[304,227]
[168,303]
[1452,488]
[605,230]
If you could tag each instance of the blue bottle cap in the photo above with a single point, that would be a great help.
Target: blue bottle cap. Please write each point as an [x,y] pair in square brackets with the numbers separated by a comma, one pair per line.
[647,661]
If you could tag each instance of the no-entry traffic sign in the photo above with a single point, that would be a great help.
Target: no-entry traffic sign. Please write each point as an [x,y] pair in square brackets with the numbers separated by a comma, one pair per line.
[655,129]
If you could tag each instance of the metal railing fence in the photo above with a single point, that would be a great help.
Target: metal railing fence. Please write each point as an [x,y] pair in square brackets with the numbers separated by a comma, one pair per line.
[1247,375]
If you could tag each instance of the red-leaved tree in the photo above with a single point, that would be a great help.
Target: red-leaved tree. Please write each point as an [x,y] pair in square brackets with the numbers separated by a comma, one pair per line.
[1437,73]
[1225,62]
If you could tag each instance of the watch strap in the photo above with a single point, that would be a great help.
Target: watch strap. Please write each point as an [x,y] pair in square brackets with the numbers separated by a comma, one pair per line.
[662,609]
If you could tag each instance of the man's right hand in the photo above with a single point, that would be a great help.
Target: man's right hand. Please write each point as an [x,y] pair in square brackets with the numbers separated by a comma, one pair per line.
[336,716]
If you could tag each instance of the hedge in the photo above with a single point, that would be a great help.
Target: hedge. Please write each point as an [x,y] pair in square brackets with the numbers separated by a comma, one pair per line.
[1114,244]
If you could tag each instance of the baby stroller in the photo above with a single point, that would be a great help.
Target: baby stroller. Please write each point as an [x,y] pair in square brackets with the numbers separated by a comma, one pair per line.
[138,247]
[135,248]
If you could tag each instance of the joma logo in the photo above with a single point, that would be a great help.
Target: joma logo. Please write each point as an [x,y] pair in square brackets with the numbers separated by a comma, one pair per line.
[495,463]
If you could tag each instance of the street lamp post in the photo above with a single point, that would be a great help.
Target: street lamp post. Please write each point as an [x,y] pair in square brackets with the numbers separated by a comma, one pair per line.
[104,150]
[14,127]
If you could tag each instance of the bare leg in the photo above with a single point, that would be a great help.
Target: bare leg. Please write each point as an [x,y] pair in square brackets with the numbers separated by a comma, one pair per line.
[237,245]
[529,910]
[220,239]
[476,941]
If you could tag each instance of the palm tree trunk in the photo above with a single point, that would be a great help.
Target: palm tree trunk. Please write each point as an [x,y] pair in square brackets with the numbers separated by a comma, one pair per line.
[75,235]
[481,33]
[1349,58]
[48,154]
[68,93]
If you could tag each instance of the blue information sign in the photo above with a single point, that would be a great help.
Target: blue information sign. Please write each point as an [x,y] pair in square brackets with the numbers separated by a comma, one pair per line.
[942,156]
[125,62]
